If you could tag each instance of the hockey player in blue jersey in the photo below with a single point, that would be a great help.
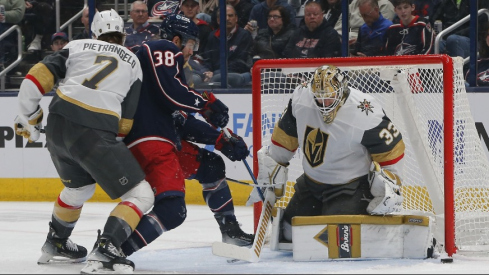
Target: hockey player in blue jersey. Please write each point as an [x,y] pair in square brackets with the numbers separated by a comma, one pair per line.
[154,138]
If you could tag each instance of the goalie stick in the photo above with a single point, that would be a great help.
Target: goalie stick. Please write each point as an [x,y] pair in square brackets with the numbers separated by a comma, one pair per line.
[250,254]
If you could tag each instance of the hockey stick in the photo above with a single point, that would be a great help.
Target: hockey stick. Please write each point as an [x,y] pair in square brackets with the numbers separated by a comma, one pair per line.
[250,254]
[252,184]
[228,135]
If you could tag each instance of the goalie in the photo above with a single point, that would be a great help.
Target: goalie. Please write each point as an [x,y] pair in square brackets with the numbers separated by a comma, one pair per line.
[352,152]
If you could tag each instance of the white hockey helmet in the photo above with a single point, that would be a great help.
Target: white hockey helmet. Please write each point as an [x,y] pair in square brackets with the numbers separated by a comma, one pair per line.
[106,22]
[329,86]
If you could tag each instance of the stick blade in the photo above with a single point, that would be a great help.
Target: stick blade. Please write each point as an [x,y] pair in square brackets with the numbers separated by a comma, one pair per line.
[234,252]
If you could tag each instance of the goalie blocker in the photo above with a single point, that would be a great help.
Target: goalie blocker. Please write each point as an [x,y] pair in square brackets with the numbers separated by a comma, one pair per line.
[317,238]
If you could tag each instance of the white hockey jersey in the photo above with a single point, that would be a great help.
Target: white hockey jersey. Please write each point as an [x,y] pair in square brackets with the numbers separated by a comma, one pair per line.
[99,84]
[342,151]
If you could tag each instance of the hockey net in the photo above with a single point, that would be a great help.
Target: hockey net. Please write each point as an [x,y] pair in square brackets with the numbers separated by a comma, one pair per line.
[446,171]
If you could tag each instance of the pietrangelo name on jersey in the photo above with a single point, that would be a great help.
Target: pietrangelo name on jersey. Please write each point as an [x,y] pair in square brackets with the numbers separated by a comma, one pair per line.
[125,56]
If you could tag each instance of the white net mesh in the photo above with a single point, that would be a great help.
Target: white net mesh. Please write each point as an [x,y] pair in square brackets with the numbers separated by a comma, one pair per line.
[419,115]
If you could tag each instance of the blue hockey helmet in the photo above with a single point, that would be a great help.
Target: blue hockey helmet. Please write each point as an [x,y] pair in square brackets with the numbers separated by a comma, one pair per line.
[179,25]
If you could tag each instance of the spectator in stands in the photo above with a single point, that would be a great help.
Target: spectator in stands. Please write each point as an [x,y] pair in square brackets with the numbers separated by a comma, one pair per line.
[370,41]
[271,42]
[58,41]
[425,8]
[194,69]
[190,9]
[260,12]
[140,30]
[314,38]
[14,12]
[243,10]
[411,35]
[239,44]
[449,12]
[332,11]
[85,34]
[39,23]
[482,78]
[356,20]
[207,8]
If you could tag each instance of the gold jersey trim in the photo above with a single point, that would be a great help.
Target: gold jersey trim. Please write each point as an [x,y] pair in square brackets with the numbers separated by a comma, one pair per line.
[288,142]
[395,153]
[44,76]
[86,106]
[125,125]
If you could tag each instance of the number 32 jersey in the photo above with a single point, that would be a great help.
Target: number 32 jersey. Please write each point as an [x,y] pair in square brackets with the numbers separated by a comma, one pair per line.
[342,151]
[99,84]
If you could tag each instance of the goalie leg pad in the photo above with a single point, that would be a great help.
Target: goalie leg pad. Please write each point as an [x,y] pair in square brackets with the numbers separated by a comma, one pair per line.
[360,236]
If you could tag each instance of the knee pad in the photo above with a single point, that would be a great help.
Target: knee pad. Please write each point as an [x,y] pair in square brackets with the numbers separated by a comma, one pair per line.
[77,196]
[171,211]
[141,196]
[212,168]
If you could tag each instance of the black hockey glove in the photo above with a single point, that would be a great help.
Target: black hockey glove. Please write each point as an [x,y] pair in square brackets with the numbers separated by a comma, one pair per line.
[234,147]
[215,112]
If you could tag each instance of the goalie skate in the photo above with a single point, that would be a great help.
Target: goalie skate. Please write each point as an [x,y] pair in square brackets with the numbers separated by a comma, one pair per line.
[61,250]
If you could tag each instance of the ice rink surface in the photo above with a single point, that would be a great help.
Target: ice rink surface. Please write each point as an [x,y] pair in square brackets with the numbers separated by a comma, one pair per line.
[186,249]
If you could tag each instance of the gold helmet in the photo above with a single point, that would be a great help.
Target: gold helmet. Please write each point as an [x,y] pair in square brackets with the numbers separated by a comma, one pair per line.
[330,88]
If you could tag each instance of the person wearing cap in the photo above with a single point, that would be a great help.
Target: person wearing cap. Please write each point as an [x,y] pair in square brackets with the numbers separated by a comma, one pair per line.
[141,30]
[58,41]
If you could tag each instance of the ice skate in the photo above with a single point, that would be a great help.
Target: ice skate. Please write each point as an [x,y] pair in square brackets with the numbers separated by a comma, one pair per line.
[61,250]
[107,259]
[233,234]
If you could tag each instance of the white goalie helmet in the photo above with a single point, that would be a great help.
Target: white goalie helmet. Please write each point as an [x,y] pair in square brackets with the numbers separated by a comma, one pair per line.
[330,88]
[106,22]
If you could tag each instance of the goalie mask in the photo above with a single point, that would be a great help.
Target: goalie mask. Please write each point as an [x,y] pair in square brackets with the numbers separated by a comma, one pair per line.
[330,89]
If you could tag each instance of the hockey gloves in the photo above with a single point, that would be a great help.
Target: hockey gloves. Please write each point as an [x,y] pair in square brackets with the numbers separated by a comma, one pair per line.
[215,112]
[29,127]
[233,147]
[385,186]
[269,173]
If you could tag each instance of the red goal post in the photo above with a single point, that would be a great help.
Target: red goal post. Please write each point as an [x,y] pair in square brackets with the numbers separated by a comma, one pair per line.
[443,147]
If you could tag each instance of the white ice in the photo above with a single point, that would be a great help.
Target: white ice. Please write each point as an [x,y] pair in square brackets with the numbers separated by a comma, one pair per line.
[186,249]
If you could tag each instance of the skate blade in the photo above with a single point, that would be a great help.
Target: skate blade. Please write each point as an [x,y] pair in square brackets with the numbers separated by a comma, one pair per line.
[50,259]
[96,267]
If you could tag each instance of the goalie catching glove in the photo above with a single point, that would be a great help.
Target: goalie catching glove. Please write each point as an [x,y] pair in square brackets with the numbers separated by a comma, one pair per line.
[29,127]
[385,186]
[269,173]
[233,147]
[215,112]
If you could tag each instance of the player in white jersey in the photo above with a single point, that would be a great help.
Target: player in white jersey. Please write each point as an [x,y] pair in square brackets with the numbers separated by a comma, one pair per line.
[100,82]
[352,151]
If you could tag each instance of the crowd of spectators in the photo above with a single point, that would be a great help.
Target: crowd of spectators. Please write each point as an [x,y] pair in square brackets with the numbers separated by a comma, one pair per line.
[285,29]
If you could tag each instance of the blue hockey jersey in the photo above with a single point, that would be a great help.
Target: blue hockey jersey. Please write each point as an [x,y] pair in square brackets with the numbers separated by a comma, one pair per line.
[164,90]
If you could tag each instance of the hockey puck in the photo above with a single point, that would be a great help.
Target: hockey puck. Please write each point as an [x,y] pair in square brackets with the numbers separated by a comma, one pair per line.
[447,260]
